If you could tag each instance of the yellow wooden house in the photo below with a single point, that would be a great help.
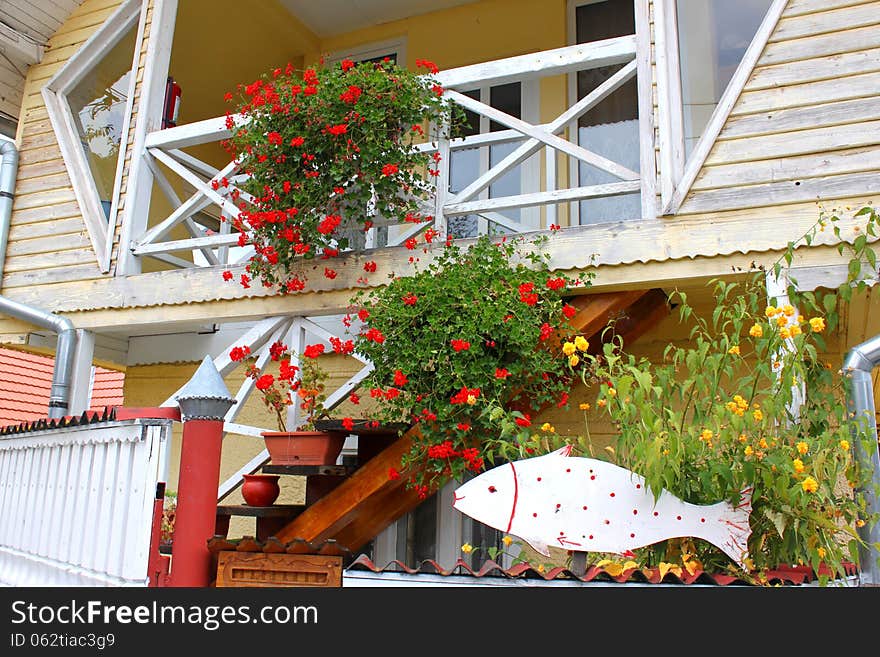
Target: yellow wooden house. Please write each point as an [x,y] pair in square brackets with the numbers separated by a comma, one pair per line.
[672,141]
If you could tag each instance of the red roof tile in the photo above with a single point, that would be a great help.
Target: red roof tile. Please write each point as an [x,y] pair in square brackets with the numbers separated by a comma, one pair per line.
[26,381]
[796,575]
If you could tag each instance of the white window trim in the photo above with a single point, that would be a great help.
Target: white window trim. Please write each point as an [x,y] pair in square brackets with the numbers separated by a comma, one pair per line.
[139,187]
[371,50]
[647,157]
[677,175]
[101,229]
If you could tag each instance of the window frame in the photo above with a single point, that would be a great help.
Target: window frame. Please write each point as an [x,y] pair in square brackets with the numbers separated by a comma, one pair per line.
[647,154]
[101,229]
[396,46]
[677,173]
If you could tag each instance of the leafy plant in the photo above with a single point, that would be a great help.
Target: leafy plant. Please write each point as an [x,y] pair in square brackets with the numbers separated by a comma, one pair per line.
[460,352]
[749,402]
[303,384]
[329,152]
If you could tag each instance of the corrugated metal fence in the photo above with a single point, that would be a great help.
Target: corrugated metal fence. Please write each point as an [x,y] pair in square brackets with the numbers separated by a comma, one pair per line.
[76,503]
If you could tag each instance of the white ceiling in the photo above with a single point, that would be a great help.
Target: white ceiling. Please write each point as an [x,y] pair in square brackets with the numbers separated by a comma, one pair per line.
[328,18]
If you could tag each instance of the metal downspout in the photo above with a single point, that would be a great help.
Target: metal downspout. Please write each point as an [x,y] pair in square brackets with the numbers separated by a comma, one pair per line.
[59,396]
[857,367]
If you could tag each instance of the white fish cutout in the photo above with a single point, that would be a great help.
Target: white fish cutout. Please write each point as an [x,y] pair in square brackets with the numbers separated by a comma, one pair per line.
[588,505]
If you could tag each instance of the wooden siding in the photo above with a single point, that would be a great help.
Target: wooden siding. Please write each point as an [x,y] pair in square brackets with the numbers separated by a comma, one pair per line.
[807,125]
[48,240]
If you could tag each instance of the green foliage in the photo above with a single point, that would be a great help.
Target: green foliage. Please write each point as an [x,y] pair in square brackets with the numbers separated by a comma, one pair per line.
[748,403]
[459,350]
[329,151]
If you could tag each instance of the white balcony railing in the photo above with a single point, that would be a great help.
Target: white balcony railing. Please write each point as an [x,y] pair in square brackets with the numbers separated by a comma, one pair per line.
[214,242]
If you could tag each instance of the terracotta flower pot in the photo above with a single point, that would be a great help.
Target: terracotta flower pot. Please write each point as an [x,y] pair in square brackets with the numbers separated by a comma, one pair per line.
[260,489]
[304,447]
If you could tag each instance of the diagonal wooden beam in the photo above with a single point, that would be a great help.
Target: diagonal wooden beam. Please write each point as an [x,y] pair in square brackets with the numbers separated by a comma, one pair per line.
[349,501]
[594,310]
[643,315]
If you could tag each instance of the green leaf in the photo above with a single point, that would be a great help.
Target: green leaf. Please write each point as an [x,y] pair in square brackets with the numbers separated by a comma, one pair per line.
[780,521]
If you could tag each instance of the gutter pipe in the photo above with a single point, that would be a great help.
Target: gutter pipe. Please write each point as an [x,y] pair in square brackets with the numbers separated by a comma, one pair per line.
[59,395]
[857,368]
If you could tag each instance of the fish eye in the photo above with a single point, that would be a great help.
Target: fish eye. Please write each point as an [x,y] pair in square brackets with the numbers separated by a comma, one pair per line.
[492,489]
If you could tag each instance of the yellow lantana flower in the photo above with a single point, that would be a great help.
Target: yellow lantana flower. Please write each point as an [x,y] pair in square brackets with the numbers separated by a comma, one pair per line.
[784,333]
[798,465]
[770,311]
[568,348]
[467,548]
[795,330]
[758,415]
[844,445]
[748,450]
[584,407]
[756,331]
[817,324]
[581,343]
[612,392]
[706,434]
[549,428]
[810,485]
[788,309]
[821,552]
[802,447]
[734,350]
[507,541]
[573,360]
[782,320]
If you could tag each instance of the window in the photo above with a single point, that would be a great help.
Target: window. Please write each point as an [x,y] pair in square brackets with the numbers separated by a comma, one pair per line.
[468,164]
[89,102]
[706,50]
[713,36]
[611,129]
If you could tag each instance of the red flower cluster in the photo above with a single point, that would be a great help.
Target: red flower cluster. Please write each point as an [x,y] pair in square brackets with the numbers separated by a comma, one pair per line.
[460,345]
[313,350]
[410,299]
[465,395]
[527,295]
[239,353]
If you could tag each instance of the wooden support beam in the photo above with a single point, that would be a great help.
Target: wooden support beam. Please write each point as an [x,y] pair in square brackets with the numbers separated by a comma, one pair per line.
[637,319]
[347,503]
[594,310]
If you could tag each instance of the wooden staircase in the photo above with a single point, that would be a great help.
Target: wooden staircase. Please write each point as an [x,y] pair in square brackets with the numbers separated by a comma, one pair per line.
[366,502]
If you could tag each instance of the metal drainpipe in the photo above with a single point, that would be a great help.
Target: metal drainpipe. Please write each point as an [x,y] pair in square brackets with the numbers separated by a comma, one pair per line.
[857,367]
[59,396]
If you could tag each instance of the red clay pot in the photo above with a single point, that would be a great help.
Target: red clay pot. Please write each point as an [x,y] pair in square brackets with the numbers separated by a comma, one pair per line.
[304,447]
[260,489]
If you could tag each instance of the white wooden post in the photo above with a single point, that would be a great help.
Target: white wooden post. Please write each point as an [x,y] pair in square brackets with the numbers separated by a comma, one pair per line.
[81,381]
[777,294]
[149,119]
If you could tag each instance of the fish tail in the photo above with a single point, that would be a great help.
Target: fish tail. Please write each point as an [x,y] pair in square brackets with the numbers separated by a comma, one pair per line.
[731,528]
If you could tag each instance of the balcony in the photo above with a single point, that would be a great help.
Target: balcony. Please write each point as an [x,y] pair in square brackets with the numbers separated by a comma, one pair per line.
[506,177]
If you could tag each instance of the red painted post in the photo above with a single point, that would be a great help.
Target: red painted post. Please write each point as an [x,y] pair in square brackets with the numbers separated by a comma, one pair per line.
[196,502]
[203,403]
